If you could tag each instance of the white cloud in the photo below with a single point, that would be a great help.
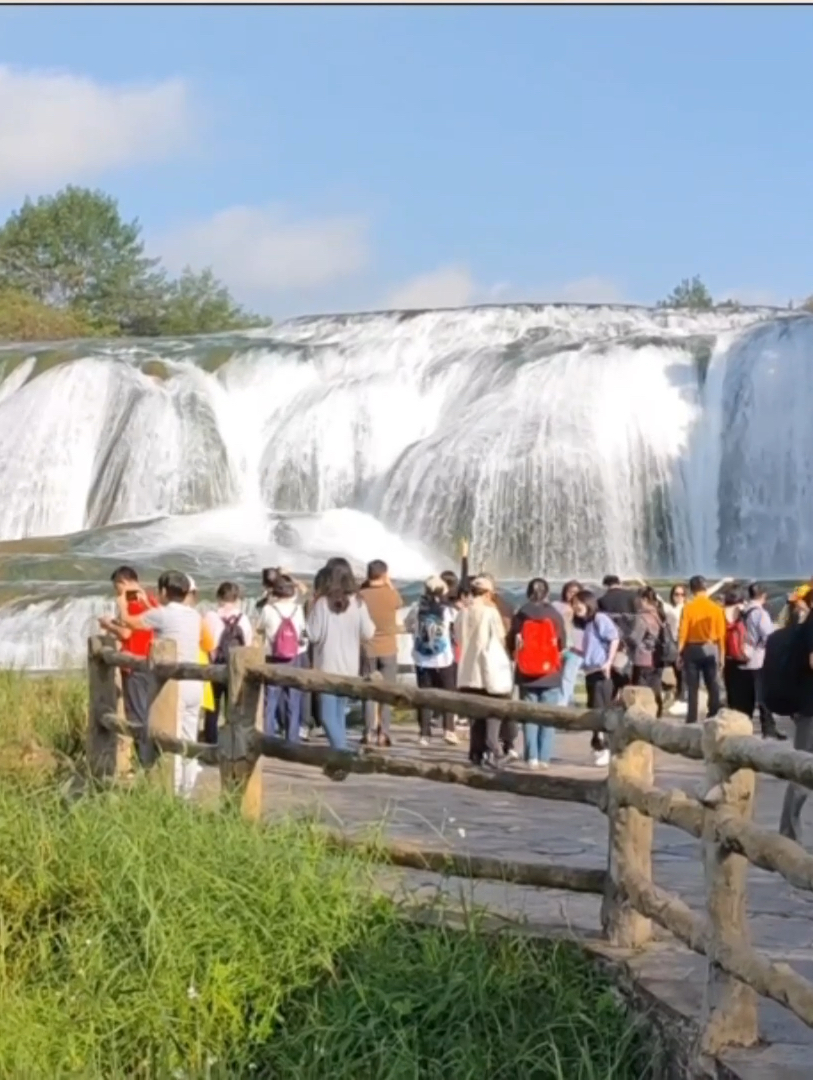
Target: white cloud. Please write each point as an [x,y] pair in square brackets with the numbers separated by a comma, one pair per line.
[258,252]
[448,286]
[58,127]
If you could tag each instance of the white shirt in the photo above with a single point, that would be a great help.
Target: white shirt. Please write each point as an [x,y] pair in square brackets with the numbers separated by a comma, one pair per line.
[215,624]
[271,616]
[673,614]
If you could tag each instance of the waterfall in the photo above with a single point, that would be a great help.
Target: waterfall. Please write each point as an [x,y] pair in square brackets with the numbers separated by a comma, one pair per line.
[559,438]
[758,394]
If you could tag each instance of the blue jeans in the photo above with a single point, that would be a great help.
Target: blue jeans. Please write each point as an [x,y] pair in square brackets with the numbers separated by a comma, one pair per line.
[539,737]
[570,672]
[334,720]
[283,705]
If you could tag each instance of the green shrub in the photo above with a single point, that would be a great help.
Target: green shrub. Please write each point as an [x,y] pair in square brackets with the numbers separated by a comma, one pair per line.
[24,318]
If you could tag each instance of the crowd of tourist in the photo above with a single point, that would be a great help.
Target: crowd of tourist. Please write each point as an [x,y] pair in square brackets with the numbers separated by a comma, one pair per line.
[466,636]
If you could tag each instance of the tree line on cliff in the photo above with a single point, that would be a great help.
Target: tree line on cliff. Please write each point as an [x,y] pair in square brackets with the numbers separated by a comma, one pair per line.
[71,266]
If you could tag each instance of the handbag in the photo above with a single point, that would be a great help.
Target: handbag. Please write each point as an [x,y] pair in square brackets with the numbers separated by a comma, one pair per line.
[498,671]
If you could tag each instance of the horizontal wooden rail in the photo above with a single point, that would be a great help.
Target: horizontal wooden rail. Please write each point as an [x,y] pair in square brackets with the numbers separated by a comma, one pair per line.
[748,752]
[213,673]
[540,875]
[671,738]
[444,701]
[373,688]
[668,807]
[339,763]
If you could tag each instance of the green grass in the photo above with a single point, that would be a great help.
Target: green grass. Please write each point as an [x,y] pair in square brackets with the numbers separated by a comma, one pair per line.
[42,724]
[143,938]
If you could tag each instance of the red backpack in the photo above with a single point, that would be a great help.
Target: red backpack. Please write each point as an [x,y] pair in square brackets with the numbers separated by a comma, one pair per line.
[736,640]
[537,653]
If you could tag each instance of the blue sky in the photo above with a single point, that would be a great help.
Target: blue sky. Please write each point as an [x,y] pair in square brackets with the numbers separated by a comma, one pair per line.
[345,158]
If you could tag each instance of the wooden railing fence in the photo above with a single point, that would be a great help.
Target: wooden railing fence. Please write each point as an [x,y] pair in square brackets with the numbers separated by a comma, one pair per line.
[720,817]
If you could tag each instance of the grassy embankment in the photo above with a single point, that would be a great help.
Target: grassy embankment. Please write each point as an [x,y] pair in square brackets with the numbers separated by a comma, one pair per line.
[141,937]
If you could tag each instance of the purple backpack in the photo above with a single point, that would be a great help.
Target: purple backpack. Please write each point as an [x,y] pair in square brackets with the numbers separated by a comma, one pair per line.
[286,640]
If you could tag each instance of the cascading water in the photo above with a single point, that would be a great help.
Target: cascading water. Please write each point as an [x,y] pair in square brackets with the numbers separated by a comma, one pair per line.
[560,439]
[760,407]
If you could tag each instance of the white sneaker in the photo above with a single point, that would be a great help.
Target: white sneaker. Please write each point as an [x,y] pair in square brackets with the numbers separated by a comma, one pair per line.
[533,764]
[451,738]
[511,755]
[601,758]
[423,742]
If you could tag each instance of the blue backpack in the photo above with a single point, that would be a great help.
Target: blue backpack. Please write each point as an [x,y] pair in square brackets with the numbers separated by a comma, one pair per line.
[432,638]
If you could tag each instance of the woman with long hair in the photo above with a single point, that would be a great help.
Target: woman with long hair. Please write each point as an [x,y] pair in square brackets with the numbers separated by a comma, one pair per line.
[337,626]
[600,641]
[537,640]
[647,638]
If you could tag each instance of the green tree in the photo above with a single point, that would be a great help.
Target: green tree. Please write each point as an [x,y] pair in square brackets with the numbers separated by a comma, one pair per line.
[200,304]
[691,293]
[73,251]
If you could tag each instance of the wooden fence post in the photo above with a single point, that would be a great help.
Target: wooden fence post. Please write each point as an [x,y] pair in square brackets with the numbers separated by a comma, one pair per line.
[124,743]
[240,761]
[163,718]
[630,831]
[730,1007]
[101,745]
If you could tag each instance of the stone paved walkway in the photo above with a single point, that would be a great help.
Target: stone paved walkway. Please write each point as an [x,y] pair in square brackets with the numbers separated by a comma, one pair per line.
[512,827]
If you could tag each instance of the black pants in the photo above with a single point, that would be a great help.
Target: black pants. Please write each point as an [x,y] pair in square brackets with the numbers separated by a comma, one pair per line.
[484,737]
[653,678]
[700,662]
[509,733]
[743,691]
[679,688]
[137,692]
[600,693]
[434,679]
[620,679]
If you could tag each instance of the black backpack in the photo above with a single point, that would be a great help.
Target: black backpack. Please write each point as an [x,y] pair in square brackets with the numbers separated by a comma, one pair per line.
[784,670]
[231,638]
[666,649]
